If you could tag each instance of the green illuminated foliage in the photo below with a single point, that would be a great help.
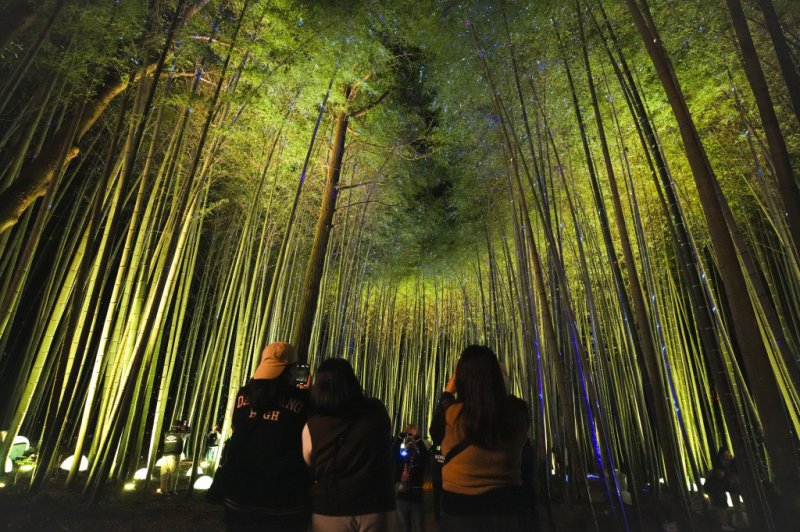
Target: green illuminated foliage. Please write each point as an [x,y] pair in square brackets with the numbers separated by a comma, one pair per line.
[163,168]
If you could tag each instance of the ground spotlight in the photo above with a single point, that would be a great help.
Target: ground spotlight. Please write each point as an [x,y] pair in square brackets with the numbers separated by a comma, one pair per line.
[198,470]
[203,483]
[66,465]
[19,446]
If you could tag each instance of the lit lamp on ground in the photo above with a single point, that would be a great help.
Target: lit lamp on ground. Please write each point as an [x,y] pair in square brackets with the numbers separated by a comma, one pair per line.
[17,450]
[66,465]
[23,470]
[203,483]
[16,454]
[198,470]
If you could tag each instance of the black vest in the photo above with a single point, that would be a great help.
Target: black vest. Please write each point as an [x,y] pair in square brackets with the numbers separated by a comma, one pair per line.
[352,462]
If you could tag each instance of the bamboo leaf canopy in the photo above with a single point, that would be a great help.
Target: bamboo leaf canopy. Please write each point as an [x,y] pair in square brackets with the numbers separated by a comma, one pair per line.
[606,193]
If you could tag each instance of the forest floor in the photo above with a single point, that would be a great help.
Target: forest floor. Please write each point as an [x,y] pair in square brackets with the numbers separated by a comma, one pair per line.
[59,510]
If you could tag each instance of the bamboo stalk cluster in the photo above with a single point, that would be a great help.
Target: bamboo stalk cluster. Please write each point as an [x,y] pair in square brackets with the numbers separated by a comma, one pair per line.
[157,228]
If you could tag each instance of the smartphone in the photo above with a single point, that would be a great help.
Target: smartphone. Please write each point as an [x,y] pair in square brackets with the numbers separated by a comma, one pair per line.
[301,373]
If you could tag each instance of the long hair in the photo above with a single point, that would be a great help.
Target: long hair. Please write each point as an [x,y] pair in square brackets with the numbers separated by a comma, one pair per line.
[487,417]
[336,390]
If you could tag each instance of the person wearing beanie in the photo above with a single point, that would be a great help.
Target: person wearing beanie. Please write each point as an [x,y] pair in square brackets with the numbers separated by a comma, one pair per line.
[269,490]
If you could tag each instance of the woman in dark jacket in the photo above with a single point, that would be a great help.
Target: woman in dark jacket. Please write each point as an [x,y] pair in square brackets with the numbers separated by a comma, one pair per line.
[348,444]
[483,431]
[264,457]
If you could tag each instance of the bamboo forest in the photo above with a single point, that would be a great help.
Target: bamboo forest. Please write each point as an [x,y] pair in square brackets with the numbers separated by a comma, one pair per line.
[604,192]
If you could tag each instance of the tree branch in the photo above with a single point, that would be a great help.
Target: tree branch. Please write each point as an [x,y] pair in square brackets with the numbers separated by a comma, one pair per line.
[367,108]
[363,184]
[366,201]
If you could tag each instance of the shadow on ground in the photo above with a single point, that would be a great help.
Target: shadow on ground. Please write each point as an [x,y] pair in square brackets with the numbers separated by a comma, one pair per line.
[60,510]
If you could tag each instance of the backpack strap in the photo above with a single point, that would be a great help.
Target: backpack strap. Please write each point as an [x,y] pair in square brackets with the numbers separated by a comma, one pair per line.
[456,450]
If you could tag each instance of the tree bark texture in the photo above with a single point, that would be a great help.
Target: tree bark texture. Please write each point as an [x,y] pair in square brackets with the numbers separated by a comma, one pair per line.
[301,337]
[36,177]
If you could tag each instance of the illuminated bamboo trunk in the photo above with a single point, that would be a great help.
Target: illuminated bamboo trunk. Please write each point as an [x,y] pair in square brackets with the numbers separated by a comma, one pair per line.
[787,183]
[777,434]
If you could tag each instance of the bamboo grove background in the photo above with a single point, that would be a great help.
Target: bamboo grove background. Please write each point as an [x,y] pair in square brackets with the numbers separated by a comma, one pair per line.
[605,192]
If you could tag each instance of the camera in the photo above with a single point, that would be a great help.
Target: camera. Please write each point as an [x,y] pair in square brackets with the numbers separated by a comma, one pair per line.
[301,374]
[408,447]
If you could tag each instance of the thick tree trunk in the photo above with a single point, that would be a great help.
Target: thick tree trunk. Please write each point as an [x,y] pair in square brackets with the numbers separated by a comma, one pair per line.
[36,179]
[277,270]
[37,176]
[777,435]
[301,337]
[16,199]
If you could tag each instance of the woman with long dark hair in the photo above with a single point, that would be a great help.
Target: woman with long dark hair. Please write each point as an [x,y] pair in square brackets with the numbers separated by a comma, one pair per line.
[482,430]
[347,442]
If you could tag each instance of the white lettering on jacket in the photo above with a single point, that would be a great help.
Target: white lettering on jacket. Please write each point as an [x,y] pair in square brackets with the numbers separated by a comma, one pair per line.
[241,401]
[294,405]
